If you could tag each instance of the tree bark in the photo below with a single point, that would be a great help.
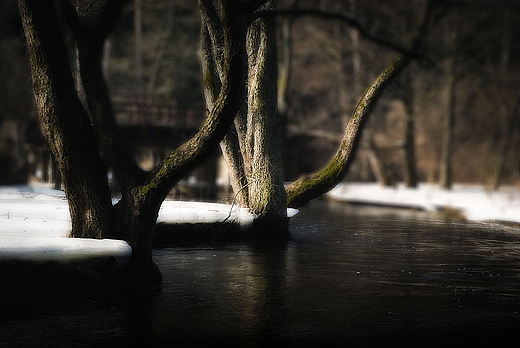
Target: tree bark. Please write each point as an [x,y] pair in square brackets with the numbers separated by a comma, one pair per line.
[267,197]
[64,123]
[253,149]
[211,84]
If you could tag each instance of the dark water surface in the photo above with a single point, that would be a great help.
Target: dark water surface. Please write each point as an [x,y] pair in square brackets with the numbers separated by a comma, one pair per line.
[352,276]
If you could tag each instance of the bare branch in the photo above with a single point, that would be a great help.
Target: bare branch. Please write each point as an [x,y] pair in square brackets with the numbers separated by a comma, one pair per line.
[336,16]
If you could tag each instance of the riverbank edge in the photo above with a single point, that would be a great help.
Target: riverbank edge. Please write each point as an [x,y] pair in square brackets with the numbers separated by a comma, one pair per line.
[455,204]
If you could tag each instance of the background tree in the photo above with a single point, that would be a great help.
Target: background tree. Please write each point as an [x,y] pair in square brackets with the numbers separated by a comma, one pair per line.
[446,167]
[15,97]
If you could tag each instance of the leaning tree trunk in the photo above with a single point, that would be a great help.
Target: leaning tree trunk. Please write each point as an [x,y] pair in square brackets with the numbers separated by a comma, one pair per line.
[64,122]
[210,56]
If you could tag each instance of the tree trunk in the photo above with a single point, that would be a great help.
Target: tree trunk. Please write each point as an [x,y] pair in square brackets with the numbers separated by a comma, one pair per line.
[505,145]
[445,178]
[64,122]
[410,172]
[505,57]
[253,149]
[68,130]
[267,198]
[284,67]
[138,49]
[376,163]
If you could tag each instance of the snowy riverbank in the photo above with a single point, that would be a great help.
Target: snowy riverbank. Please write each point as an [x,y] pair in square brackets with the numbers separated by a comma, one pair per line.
[34,222]
[474,202]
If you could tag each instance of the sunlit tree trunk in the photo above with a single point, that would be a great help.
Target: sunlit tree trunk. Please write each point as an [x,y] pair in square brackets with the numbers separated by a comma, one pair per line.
[267,197]
[253,148]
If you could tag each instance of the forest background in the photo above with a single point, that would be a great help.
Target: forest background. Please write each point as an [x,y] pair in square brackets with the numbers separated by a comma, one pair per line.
[449,117]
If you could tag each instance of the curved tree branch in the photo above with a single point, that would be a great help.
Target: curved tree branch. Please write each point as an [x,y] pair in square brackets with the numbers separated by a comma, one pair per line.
[229,145]
[314,185]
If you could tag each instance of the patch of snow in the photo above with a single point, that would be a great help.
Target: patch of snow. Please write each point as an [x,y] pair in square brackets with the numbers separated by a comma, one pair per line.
[291,212]
[62,249]
[474,202]
[34,224]
[35,221]
[201,212]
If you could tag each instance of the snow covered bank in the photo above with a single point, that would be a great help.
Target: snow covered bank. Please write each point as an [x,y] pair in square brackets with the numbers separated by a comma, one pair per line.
[474,202]
[34,222]
[182,212]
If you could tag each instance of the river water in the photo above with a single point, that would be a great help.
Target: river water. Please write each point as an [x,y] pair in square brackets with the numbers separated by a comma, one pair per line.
[352,276]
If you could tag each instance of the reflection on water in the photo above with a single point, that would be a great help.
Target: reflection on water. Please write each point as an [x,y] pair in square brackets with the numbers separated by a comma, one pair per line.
[354,276]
